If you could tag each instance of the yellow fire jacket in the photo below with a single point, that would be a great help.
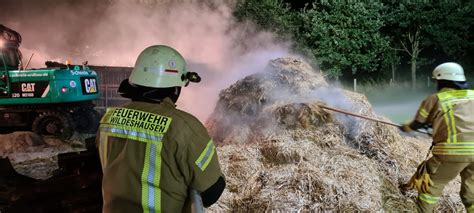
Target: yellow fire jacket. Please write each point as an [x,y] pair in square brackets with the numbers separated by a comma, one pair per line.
[451,112]
[150,155]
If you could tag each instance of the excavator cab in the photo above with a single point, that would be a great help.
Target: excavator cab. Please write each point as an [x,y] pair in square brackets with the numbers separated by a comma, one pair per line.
[10,57]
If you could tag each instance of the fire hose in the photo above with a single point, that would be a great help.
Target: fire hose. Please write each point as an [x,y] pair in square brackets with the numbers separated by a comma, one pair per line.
[368,118]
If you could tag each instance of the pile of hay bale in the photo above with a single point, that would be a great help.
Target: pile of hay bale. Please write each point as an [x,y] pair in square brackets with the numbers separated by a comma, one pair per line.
[35,156]
[279,150]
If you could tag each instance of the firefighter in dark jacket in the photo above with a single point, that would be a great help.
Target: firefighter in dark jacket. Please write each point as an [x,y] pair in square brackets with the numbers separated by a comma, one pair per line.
[151,153]
[451,113]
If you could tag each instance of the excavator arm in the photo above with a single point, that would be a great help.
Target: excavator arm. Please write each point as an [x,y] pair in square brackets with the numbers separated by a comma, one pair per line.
[9,49]
[9,38]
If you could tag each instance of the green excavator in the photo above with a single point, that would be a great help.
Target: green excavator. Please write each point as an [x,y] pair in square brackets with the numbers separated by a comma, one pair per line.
[56,101]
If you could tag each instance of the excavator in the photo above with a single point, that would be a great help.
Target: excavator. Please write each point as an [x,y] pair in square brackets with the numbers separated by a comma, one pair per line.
[56,101]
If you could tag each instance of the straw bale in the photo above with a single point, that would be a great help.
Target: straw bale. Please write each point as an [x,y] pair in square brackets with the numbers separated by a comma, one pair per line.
[35,156]
[301,115]
[17,141]
[250,94]
[280,151]
[297,175]
[239,105]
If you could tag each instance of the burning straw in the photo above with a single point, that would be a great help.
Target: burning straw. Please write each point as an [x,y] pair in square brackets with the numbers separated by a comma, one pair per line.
[280,151]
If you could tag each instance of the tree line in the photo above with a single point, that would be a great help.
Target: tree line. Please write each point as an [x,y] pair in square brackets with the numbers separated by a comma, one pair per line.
[370,40]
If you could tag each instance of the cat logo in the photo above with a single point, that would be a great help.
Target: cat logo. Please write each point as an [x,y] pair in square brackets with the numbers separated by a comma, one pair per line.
[90,85]
[28,87]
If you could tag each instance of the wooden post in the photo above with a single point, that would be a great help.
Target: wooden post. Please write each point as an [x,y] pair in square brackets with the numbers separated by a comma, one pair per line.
[106,95]
[355,84]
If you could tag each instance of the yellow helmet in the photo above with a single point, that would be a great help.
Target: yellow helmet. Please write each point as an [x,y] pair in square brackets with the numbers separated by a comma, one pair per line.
[449,71]
[160,66]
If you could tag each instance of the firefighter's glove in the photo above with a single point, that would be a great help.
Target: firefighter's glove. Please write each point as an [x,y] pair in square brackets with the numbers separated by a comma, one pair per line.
[405,128]
[422,184]
[421,179]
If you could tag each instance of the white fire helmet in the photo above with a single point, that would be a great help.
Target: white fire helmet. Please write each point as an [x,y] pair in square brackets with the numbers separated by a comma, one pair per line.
[449,71]
[159,66]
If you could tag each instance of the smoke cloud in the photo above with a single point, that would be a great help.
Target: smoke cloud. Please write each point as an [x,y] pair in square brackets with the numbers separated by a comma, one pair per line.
[113,33]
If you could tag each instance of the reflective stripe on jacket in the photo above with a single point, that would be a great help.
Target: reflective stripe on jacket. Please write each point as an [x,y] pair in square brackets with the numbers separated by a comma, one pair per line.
[151,154]
[452,114]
